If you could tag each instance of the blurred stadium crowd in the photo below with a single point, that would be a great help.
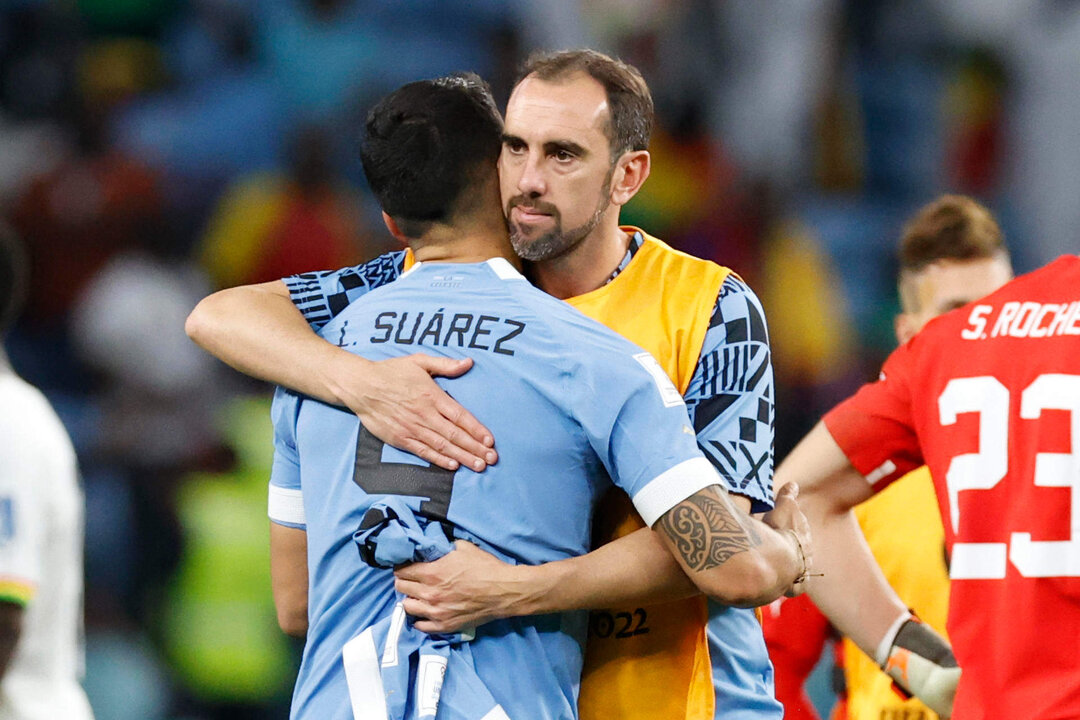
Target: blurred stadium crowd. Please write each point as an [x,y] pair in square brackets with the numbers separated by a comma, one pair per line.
[154,150]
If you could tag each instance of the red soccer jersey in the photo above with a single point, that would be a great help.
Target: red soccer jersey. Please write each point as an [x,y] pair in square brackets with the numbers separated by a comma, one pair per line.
[795,633]
[989,397]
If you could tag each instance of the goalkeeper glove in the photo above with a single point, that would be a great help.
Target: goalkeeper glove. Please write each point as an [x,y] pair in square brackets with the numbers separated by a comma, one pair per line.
[921,663]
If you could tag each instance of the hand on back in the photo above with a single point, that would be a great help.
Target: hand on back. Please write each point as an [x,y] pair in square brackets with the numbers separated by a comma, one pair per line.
[399,402]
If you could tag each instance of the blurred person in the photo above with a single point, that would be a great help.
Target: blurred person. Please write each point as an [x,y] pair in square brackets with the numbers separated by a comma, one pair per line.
[1039,46]
[607,408]
[75,218]
[125,323]
[95,203]
[153,400]
[988,396]
[815,340]
[41,543]
[217,622]
[795,633]
[269,225]
[27,150]
[574,153]
[777,57]
[951,253]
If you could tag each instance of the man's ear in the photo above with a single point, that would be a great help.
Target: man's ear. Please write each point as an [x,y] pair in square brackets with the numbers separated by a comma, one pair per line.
[906,327]
[631,171]
[394,229]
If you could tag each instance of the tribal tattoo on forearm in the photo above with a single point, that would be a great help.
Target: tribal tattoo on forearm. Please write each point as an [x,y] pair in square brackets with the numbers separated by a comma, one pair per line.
[707,531]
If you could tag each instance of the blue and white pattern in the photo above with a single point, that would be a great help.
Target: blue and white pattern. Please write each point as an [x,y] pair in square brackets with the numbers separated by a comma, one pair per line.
[731,396]
[320,296]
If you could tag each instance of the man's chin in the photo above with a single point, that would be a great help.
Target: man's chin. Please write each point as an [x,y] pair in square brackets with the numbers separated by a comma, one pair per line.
[529,246]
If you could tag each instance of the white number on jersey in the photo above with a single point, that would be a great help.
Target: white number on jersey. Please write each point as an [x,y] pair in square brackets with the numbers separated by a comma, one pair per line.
[985,469]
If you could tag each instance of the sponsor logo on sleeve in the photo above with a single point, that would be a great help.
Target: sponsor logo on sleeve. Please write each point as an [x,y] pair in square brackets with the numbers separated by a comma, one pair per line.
[669,394]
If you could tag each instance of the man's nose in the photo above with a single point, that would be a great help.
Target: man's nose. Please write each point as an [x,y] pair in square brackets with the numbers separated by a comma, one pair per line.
[532,182]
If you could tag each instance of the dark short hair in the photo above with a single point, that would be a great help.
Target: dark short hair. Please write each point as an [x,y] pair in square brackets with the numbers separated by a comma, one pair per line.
[14,270]
[953,227]
[630,103]
[426,144]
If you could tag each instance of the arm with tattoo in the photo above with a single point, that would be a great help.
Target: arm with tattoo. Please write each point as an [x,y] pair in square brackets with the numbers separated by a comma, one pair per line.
[706,532]
[733,557]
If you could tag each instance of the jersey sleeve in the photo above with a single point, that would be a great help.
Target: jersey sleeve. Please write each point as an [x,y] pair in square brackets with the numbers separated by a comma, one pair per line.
[320,296]
[286,499]
[636,421]
[874,427]
[23,517]
[731,398]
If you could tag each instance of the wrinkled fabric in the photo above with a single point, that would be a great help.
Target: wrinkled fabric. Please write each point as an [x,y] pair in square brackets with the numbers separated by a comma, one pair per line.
[417,674]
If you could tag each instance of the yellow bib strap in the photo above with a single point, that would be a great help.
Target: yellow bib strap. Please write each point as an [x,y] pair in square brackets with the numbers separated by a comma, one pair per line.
[652,662]
[662,301]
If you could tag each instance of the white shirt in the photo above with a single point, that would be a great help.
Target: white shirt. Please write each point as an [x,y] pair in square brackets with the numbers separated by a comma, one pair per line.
[41,545]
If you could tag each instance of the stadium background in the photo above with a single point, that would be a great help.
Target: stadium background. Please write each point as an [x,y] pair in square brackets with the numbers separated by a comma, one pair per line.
[151,151]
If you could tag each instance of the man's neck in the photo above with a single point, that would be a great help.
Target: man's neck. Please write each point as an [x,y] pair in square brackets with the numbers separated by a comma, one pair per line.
[585,268]
[465,246]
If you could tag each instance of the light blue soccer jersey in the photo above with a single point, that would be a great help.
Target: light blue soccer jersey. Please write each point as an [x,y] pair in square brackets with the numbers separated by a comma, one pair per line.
[732,406]
[574,406]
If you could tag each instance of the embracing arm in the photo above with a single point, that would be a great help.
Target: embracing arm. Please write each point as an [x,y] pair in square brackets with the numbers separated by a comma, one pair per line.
[733,557]
[259,331]
[470,586]
[635,569]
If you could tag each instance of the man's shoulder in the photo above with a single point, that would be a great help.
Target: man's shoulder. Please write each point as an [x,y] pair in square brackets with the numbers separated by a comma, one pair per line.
[29,425]
[674,275]
[1056,281]
[672,257]
[25,408]
[374,273]
[364,286]
[1066,268]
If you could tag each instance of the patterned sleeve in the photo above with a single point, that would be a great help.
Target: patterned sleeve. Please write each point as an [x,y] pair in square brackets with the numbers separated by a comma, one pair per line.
[731,396]
[320,296]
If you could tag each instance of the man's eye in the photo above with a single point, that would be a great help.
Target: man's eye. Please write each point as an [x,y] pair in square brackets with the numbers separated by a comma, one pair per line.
[563,156]
[514,147]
